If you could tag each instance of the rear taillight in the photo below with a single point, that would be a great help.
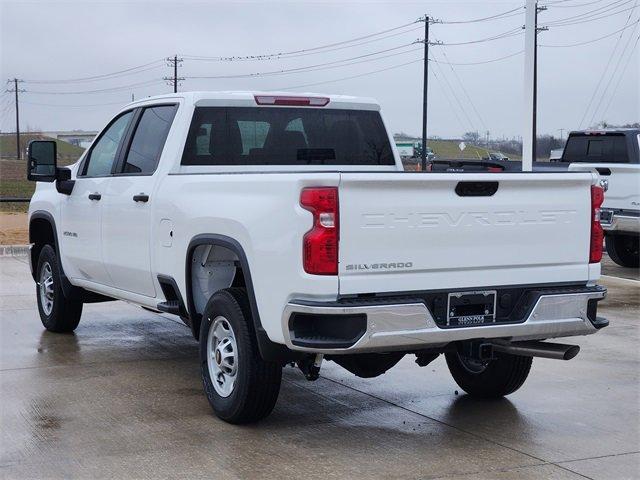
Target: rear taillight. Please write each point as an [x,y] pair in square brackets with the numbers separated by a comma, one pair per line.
[320,244]
[597,235]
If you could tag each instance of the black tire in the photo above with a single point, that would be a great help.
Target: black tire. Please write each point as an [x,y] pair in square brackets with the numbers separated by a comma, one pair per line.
[256,382]
[623,249]
[497,378]
[57,313]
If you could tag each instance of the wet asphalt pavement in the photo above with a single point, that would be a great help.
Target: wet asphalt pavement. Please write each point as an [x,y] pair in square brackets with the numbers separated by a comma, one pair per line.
[121,398]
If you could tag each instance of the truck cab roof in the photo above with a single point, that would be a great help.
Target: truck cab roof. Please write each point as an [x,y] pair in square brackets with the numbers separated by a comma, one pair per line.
[605,131]
[249,99]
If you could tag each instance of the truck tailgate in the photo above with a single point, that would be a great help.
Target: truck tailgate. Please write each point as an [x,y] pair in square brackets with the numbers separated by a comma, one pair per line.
[404,232]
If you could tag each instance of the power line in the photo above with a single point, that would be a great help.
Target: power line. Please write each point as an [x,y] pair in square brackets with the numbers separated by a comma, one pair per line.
[612,76]
[621,76]
[591,41]
[455,96]
[352,76]
[8,107]
[102,90]
[557,4]
[593,18]
[341,63]
[446,95]
[73,105]
[498,16]
[315,67]
[279,55]
[466,93]
[602,76]
[480,62]
[216,59]
[105,76]
[612,5]
[509,33]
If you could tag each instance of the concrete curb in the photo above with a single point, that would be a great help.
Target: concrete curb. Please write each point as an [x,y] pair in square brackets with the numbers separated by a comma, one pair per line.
[14,250]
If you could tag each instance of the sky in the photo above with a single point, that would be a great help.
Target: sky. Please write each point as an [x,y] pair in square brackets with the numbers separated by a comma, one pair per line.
[472,86]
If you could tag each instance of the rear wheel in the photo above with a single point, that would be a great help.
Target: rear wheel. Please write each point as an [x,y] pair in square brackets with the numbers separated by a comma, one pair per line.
[623,249]
[57,313]
[240,386]
[489,378]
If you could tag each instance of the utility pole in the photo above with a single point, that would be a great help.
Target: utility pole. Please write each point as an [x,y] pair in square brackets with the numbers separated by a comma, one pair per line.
[17,90]
[174,62]
[425,83]
[425,90]
[561,130]
[530,83]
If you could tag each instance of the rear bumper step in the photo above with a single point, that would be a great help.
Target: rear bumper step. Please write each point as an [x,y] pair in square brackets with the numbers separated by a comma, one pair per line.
[406,323]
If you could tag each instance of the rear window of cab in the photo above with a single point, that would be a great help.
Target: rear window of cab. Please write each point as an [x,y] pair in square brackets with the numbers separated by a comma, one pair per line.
[286,136]
[597,148]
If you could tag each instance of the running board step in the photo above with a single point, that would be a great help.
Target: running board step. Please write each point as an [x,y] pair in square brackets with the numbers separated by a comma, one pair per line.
[171,306]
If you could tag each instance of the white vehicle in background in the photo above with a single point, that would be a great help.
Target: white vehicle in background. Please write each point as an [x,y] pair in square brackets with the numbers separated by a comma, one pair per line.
[555,155]
[615,154]
[282,228]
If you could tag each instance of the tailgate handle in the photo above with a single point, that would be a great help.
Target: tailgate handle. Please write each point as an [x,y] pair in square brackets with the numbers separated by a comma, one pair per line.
[604,171]
[476,189]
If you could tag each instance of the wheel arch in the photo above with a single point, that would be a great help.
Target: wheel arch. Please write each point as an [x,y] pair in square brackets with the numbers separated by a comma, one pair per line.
[43,231]
[269,350]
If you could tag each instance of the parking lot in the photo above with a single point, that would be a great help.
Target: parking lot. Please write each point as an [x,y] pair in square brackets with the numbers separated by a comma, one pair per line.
[121,398]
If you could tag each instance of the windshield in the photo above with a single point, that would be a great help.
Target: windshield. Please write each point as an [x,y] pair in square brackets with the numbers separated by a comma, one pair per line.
[286,136]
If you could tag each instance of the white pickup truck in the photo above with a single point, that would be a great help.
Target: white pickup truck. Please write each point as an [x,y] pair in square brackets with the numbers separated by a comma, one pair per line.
[282,229]
[615,154]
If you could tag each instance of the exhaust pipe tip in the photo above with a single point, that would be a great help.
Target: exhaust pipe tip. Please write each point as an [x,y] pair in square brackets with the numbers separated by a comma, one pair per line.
[556,351]
[571,352]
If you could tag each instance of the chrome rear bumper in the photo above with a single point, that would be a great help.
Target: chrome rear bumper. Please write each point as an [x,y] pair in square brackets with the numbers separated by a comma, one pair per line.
[409,325]
[622,221]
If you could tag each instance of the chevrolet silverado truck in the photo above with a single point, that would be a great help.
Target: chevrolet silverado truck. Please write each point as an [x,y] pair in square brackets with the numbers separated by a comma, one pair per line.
[283,231]
[615,154]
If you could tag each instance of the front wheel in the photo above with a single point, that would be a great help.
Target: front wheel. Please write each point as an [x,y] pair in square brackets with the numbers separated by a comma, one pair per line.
[489,378]
[240,386]
[57,313]
[623,249]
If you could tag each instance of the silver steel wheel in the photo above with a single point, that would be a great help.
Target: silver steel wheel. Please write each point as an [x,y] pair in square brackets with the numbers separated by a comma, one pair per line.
[222,356]
[46,288]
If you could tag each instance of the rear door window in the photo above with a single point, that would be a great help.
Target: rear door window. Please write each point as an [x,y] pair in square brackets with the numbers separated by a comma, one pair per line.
[286,136]
[148,140]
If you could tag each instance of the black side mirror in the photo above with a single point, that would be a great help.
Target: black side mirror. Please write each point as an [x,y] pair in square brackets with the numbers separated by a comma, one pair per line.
[42,161]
